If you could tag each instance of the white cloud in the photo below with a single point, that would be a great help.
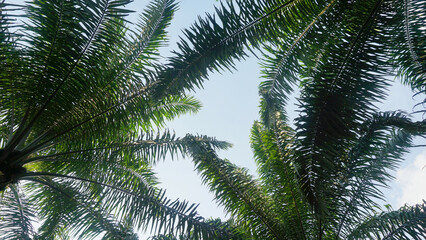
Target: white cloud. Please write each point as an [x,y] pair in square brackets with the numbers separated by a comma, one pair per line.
[411,180]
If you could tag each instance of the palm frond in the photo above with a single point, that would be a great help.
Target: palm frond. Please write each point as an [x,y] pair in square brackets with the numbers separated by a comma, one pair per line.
[228,228]
[121,182]
[367,175]
[16,215]
[103,94]
[272,149]
[49,39]
[10,59]
[134,153]
[141,206]
[84,130]
[215,42]
[281,65]
[81,215]
[126,72]
[405,223]
[90,75]
[408,44]
[237,192]
[336,96]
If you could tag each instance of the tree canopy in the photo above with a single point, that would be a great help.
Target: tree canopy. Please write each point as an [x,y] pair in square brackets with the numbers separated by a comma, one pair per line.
[83,95]
[82,113]
[322,178]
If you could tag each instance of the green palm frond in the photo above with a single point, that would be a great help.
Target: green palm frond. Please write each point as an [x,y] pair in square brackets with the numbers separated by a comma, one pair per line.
[281,65]
[215,42]
[82,92]
[324,176]
[78,114]
[365,178]
[144,207]
[408,43]
[8,24]
[405,223]
[278,198]
[83,129]
[105,101]
[79,215]
[132,154]
[121,176]
[337,61]
[235,233]
[237,192]
[273,154]
[98,87]
[335,98]
[16,215]
[104,183]
[50,43]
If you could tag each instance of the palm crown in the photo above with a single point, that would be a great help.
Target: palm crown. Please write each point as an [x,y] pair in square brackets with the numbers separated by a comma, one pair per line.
[81,105]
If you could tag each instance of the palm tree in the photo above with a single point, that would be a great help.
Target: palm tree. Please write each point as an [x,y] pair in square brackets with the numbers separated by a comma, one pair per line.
[81,105]
[321,178]
[82,93]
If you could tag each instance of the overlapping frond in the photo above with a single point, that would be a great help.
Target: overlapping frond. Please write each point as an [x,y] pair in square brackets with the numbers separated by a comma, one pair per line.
[61,37]
[408,42]
[91,213]
[98,95]
[337,96]
[239,193]
[215,42]
[378,150]
[77,120]
[16,214]
[82,131]
[9,62]
[405,223]
[121,182]
[135,153]
[272,147]
[340,54]
[81,92]
[229,231]
[281,66]
[65,209]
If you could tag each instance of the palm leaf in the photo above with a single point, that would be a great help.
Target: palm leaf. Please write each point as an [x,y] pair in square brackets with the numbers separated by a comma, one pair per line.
[75,129]
[274,157]
[335,98]
[281,65]
[121,182]
[215,42]
[405,223]
[80,215]
[408,43]
[237,192]
[16,215]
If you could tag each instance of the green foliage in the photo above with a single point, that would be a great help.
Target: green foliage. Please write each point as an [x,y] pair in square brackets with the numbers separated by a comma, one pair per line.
[407,222]
[81,120]
[82,94]
[231,232]
[320,180]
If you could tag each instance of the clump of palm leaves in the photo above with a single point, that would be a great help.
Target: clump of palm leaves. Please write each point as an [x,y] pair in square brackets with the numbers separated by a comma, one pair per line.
[81,99]
[321,178]
[79,88]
